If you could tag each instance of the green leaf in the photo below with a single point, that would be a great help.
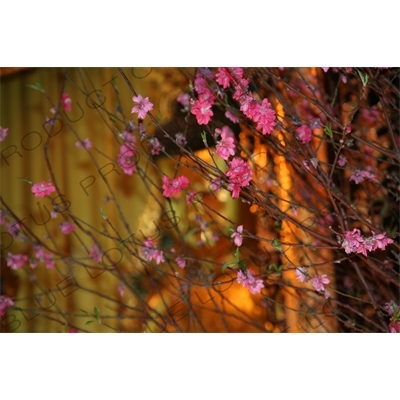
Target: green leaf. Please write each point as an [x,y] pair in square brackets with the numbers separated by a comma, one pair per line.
[242,265]
[97,314]
[37,87]
[328,130]
[226,265]
[89,322]
[204,137]
[237,254]
[275,267]
[103,213]
[85,312]
[364,78]
[25,180]
[278,224]
[277,245]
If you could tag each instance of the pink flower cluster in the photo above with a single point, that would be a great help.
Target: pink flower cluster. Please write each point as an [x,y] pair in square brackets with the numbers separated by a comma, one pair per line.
[84,144]
[226,146]
[67,227]
[172,187]
[181,262]
[318,282]
[150,252]
[359,176]
[16,261]
[42,189]
[239,175]
[237,236]
[260,113]
[201,107]
[248,280]
[155,146]
[3,133]
[142,106]
[42,256]
[4,303]
[353,242]
[126,158]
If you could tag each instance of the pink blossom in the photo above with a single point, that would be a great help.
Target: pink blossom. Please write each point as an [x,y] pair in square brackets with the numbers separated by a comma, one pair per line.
[342,160]
[84,144]
[225,76]
[237,236]
[304,134]
[380,241]
[172,187]
[319,281]
[325,69]
[16,261]
[67,227]
[355,243]
[232,117]
[156,146]
[3,133]
[264,115]
[190,197]
[66,102]
[181,262]
[239,175]
[226,146]
[302,274]
[42,189]
[95,253]
[359,176]
[202,111]
[315,123]
[352,241]
[142,107]
[126,158]
[248,280]
[150,252]
[5,302]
